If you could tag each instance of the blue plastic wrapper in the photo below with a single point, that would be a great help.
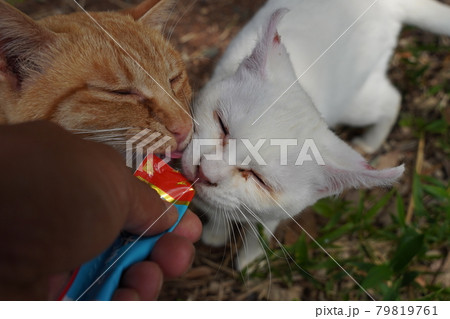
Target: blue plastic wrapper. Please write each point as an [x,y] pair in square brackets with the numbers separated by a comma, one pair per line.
[99,278]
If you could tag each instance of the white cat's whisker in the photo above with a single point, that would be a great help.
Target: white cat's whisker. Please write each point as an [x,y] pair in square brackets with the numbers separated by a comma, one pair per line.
[262,223]
[227,223]
[317,243]
[221,220]
[244,238]
[244,242]
[217,224]
[231,236]
[264,245]
[285,252]
[260,238]
[241,235]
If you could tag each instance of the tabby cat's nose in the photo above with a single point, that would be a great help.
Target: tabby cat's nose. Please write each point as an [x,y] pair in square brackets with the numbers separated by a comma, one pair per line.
[182,135]
[181,138]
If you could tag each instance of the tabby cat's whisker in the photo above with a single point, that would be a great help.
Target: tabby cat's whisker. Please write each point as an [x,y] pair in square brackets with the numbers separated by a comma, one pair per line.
[103,139]
[90,131]
[180,18]
[106,136]
[172,10]
[188,103]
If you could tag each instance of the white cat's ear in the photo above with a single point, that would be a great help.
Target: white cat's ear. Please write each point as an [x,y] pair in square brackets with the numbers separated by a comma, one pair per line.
[153,13]
[344,169]
[268,45]
[22,41]
[338,180]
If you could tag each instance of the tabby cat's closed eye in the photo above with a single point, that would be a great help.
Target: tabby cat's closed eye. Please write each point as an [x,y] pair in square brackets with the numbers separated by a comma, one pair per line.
[123,92]
[175,81]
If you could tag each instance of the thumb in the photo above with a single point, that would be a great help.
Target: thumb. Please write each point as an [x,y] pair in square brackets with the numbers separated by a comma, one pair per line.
[148,213]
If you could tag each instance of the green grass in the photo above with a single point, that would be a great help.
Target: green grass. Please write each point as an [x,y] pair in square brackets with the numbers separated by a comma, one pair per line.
[391,261]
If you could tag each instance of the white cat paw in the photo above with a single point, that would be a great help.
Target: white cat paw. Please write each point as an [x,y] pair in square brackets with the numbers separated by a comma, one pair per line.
[214,236]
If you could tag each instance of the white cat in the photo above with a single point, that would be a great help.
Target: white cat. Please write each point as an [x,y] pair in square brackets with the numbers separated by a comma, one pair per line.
[275,160]
[341,49]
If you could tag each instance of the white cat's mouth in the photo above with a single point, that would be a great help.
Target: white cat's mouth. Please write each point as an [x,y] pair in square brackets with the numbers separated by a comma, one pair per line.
[201,178]
[216,196]
[216,206]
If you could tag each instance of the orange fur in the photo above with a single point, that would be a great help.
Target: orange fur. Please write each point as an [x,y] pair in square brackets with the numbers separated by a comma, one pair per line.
[67,70]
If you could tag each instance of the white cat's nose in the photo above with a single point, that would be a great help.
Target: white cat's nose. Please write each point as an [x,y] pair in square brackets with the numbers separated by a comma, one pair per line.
[202,178]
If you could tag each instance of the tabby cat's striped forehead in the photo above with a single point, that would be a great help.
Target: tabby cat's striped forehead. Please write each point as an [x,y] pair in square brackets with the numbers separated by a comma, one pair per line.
[112,33]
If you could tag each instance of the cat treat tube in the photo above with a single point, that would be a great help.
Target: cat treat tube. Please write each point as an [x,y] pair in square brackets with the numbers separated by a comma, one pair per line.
[100,277]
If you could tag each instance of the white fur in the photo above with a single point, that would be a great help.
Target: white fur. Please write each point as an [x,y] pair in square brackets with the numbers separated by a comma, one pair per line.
[348,86]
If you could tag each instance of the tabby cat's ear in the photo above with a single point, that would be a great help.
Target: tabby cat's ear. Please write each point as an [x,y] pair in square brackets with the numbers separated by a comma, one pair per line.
[21,44]
[153,13]
[268,45]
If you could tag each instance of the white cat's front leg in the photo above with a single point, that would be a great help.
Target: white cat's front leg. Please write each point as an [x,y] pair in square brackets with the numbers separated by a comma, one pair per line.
[384,98]
[253,246]
[216,231]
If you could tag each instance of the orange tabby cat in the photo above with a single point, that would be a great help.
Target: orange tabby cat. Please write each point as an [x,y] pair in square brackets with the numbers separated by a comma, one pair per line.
[120,74]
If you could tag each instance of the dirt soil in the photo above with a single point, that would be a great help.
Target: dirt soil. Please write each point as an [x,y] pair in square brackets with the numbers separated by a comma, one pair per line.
[201,30]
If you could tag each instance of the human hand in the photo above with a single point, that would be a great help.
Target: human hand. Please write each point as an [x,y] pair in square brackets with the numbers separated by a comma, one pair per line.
[63,200]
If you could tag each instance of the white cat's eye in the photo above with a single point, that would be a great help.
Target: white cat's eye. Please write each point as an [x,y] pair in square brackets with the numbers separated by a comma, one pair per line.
[259,179]
[223,127]
[246,173]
